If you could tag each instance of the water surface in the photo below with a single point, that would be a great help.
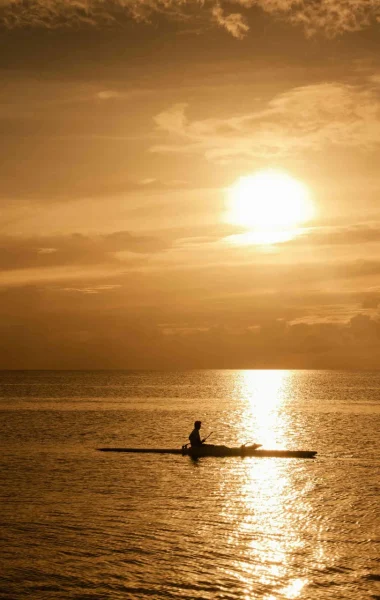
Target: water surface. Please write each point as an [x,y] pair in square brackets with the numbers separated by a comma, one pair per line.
[77,523]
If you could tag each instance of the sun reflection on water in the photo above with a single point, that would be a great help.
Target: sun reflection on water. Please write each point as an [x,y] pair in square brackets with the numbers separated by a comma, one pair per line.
[267,530]
[267,523]
[263,393]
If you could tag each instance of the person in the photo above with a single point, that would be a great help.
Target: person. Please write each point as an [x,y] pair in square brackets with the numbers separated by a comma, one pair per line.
[195,436]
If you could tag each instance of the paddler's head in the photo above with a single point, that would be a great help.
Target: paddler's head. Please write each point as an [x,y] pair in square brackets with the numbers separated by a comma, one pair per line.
[197,424]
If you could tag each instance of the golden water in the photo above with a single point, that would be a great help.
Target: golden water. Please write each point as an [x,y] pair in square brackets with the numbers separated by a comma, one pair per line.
[81,524]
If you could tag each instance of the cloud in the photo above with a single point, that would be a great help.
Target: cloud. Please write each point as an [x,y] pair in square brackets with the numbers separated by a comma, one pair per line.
[264,314]
[338,236]
[67,14]
[76,249]
[332,17]
[107,94]
[370,299]
[95,185]
[310,117]
[38,326]
[280,344]
[234,23]
[94,289]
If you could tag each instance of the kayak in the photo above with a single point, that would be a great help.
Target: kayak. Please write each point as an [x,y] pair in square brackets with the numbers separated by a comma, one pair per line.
[219,451]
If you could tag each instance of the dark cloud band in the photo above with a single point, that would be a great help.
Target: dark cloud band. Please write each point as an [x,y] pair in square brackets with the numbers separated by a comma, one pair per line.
[333,17]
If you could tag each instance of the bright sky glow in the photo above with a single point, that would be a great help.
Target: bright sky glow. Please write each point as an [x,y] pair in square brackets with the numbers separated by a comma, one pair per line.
[180,191]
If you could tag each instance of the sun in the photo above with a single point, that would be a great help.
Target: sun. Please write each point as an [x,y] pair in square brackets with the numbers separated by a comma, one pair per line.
[271,204]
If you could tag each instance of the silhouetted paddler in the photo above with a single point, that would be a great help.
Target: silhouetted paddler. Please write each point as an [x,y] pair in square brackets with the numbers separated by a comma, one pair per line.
[195,437]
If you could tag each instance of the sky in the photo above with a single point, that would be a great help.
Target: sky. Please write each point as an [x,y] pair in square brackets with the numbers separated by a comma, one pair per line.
[127,126]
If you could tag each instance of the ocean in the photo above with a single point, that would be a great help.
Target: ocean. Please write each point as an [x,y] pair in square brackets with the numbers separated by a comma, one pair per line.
[81,524]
